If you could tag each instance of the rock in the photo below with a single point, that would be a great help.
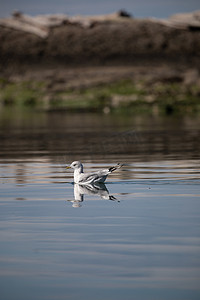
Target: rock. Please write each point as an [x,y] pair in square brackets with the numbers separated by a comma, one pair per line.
[123,13]
[191,77]
[189,20]
[122,100]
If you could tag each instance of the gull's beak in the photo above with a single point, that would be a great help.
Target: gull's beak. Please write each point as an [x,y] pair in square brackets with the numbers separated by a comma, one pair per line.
[68,167]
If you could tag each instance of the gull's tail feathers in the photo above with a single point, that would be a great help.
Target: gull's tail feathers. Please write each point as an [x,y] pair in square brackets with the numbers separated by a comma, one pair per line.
[112,169]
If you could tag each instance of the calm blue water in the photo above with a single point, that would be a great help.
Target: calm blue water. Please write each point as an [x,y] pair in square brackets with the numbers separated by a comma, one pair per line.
[144,244]
[60,241]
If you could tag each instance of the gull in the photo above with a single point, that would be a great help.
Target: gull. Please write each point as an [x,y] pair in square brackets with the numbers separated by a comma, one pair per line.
[87,178]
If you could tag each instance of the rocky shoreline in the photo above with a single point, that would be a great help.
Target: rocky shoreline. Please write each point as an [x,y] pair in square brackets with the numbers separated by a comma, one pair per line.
[112,39]
[57,58]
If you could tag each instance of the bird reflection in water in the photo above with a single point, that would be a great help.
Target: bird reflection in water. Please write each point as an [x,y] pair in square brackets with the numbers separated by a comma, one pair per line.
[99,189]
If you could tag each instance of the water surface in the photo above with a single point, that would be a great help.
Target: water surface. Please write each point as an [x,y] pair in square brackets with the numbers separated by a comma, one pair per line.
[62,242]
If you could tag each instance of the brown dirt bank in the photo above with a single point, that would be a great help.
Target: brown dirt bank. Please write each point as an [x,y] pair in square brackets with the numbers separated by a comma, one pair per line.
[110,42]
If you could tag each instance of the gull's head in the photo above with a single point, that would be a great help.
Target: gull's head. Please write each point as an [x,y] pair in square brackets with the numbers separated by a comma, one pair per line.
[75,165]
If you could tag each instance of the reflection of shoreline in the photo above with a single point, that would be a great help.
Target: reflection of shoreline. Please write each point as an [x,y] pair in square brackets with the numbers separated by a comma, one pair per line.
[99,189]
[46,139]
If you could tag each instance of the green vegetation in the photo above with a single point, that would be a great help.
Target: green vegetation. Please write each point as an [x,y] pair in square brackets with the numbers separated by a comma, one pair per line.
[21,94]
[125,96]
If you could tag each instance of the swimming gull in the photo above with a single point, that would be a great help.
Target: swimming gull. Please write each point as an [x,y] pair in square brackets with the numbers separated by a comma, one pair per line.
[87,178]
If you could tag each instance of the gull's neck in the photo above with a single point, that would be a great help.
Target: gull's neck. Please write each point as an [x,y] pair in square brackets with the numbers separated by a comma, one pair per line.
[77,172]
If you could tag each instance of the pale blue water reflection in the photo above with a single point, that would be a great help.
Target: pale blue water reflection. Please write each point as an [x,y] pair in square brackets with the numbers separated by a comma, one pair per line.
[144,245]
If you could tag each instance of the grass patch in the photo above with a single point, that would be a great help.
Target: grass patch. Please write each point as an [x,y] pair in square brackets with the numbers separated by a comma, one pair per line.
[126,97]
[21,94]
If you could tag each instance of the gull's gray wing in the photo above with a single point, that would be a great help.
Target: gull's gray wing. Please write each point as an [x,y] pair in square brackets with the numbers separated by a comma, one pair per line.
[99,176]
[94,177]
